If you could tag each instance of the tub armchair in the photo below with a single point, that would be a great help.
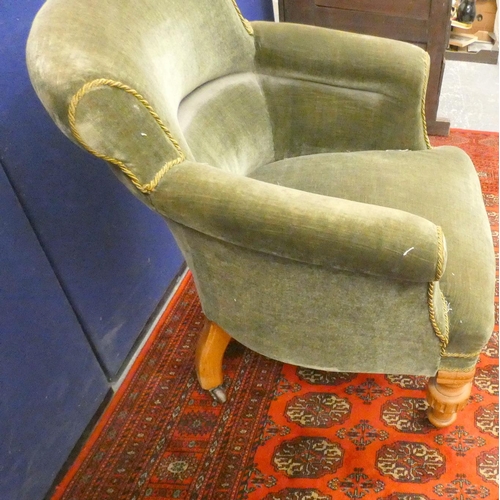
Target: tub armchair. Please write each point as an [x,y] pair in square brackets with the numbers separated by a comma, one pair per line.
[293,167]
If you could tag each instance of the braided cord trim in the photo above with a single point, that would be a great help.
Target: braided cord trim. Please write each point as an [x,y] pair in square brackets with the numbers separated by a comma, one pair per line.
[461,355]
[467,369]
[245,23]
[440,258]
[143,188]
[442,336]
[424,94]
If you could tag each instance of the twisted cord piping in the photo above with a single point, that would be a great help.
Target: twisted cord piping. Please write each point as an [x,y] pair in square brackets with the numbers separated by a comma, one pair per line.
[143,188]
[440,257]
[461,355]
[443,337]
[462,370]
[422,109]
[245,23]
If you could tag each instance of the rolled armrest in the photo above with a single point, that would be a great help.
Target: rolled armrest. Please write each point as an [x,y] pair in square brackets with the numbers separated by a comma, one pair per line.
[342,59]
[367,66]
[302,226]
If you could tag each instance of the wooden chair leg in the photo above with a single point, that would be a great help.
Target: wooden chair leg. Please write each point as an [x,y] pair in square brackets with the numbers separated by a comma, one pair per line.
[448,393]
[209,354]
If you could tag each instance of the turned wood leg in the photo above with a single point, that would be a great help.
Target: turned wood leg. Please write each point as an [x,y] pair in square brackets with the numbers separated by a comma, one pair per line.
[448,393]
[209,354]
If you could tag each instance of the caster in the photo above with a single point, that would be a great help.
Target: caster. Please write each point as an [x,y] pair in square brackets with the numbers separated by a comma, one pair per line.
[219,394]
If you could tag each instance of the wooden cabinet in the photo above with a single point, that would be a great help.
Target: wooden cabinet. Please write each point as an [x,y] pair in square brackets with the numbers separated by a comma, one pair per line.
[425,23]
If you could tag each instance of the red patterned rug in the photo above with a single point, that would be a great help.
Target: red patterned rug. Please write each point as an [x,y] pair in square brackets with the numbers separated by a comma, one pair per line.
[288,432]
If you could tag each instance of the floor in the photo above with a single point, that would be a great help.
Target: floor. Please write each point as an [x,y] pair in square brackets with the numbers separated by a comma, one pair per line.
[469,95]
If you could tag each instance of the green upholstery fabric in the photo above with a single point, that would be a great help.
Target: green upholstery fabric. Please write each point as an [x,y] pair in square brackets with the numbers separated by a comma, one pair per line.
[310,315]
[333,91]
[163,49]
[443,177]
[309,205]
[300,225]
[226,124]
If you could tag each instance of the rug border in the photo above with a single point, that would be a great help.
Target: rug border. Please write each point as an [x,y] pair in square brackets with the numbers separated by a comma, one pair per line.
[116,398]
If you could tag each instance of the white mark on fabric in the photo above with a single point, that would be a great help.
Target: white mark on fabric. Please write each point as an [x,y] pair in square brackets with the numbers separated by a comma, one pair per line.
[408,251]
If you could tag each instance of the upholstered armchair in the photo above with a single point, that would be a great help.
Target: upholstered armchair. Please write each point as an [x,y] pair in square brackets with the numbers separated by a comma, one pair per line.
[293,167]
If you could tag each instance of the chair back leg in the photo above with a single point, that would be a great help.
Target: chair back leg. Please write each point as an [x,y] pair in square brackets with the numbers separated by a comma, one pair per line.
[209,355]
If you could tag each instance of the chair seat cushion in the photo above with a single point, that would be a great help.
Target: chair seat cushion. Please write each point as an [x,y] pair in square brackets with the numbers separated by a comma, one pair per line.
[440,185]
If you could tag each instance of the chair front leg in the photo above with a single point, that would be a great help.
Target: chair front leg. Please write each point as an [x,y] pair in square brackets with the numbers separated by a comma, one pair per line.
[448,393]
[209,354]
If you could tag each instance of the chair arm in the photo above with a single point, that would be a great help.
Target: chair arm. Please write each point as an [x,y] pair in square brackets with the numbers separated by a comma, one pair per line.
[343,59]
[396,72]
[302,226]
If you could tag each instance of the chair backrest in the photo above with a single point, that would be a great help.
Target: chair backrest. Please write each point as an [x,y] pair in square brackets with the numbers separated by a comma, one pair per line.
[124,75]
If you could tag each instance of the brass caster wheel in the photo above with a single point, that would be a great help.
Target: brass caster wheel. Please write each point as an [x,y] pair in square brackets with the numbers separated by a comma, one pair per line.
[219,394]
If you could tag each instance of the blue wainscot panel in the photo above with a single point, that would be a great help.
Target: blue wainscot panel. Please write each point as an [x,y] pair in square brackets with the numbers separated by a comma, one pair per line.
[256,10]
[50,382]
[113,256]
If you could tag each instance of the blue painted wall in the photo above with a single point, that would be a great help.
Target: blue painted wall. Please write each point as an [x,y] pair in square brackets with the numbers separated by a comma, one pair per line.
[50,382]
[83,265]
[255,10]
[113,256]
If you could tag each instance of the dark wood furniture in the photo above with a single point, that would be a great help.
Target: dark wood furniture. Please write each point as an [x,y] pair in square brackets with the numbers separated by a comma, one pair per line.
[425,23]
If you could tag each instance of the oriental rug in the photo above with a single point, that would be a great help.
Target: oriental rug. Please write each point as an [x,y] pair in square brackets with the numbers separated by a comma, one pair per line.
[288,432]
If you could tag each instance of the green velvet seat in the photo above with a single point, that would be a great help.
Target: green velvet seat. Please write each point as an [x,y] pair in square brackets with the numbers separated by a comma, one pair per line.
[432,184]
[293,166]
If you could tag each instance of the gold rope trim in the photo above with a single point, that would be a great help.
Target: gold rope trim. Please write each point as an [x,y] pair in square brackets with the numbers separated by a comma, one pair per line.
[144,188]
[443,337]
[245,23]
[440,258]
[424,94]
[461,355]
[467,369]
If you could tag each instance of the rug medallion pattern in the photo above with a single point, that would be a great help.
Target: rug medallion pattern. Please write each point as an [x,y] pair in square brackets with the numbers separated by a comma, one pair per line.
[287,432]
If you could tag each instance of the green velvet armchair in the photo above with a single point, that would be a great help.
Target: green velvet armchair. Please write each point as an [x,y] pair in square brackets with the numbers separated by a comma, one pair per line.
[293,167]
